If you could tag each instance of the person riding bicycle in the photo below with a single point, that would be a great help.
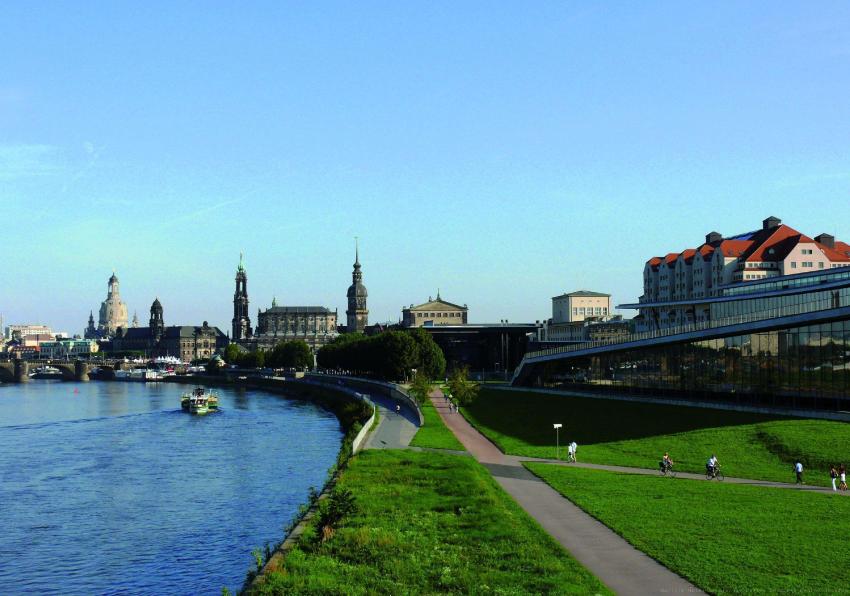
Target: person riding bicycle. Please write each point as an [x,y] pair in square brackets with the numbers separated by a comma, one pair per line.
[666,463]
[711,466]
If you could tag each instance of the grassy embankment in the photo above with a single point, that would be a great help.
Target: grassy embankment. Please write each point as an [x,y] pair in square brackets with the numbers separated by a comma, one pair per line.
[722,537]
[637,434]
[434,433]
[426,523]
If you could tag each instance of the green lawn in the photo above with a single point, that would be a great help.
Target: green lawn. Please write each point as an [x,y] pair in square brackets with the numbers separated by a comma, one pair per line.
[427,523]
[721,537]
[638,434]
[434,433]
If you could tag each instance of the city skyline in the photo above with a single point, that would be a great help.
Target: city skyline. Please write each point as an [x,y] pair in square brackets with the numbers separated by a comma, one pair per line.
[504,156]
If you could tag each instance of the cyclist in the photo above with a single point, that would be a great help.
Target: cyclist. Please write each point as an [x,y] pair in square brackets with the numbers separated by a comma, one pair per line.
[666,463]
[711,466]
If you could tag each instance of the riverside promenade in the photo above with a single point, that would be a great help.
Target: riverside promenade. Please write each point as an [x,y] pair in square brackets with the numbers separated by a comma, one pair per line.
[614,561]
[395,429]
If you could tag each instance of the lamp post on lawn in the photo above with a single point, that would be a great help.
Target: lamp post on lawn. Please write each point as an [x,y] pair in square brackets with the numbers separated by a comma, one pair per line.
[557,428]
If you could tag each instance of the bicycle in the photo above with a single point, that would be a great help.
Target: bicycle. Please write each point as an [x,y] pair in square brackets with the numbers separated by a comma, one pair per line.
[668,470]
[717,473]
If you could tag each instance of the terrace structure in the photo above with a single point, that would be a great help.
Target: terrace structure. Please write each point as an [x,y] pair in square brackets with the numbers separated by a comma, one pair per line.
[780,341]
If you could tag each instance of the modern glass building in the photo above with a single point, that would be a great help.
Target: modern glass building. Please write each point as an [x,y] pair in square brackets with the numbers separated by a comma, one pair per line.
[783,341]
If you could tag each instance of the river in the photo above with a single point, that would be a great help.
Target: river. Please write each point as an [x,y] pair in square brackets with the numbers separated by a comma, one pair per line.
[110,488]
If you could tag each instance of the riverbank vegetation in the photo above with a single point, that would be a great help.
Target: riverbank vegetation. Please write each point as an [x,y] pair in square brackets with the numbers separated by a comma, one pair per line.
[722,537]
[434,434]
[427,523]
[286,354]
[748,445]
[391,355]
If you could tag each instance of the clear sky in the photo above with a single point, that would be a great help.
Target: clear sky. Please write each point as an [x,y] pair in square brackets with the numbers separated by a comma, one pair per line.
[503,152]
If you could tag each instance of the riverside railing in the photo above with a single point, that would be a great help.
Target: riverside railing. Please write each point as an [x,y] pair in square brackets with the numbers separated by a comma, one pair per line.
[767,314]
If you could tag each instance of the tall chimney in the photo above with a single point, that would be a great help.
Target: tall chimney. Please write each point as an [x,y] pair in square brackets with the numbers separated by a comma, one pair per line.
[770,223]
[826,239]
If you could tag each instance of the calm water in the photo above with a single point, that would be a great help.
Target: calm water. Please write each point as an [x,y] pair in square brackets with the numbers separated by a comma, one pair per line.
[109,488]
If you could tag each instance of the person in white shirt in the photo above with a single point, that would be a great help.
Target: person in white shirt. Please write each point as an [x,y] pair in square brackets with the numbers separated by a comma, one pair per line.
[798,468]
[711,466]
[572,450]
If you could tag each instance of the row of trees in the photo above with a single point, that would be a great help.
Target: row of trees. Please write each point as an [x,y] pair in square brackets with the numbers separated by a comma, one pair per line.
[286,354]
[392,355]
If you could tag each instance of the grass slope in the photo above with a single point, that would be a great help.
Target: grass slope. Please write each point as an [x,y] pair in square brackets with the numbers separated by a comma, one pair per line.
[427,523]
[434,433]
[637,434]
[722,537]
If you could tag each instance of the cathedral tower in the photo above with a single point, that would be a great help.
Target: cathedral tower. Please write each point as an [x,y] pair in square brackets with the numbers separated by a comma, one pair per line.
[241,319]
[113,312]
[357,313]
[157,322]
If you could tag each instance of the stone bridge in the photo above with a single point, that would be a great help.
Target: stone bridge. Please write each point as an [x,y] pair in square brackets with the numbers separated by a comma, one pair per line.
[17,371]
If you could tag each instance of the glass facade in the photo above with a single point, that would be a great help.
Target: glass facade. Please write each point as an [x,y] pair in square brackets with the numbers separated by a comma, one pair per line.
[804,367]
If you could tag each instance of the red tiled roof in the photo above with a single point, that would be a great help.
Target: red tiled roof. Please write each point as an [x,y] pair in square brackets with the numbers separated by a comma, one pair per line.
[670,259]
[839,254]
[654,262]
[688,254]
[781,239]
[734,248]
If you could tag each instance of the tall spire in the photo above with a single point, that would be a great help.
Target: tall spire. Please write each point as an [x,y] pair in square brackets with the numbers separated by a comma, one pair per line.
[356,253]
[241,264]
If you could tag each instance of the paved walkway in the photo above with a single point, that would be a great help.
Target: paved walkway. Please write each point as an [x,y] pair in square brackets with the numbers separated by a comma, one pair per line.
[395,430]
[689,475]
[614,561]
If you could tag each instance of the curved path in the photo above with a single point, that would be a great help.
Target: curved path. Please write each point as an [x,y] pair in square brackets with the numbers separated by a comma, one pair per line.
[619,565]
[688,475]
[395,430]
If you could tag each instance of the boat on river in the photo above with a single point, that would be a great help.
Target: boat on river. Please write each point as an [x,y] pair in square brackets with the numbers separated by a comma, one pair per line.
[144,375]
[46,372]
[199,401]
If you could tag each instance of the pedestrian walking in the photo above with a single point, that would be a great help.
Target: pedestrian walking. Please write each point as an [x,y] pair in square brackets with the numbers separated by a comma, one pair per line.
[398,409]
[842,477]
[569,452]
[798,468]
[833,475]
[573,449]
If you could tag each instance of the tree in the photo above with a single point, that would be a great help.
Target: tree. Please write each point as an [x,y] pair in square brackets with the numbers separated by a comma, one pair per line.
[463,390]
[421,387]
[431,358]
[231,354]
[395,355]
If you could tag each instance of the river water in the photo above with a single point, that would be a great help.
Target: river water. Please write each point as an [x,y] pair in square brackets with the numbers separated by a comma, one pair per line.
[110,488]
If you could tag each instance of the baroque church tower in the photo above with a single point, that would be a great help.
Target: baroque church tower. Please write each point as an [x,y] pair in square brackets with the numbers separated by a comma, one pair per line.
[157,322]
[357,313]
[113,311]
[241,319]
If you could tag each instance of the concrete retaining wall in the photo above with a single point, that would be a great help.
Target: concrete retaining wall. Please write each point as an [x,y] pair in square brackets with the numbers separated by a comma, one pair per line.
[371,386]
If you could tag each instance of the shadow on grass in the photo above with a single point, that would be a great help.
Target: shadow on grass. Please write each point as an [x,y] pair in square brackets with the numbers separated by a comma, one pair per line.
[529,416]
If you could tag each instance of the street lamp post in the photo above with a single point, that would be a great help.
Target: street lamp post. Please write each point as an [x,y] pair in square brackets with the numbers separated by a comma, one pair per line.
[557,428]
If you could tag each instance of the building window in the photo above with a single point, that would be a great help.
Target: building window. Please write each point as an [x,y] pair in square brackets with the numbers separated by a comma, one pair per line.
[793,265]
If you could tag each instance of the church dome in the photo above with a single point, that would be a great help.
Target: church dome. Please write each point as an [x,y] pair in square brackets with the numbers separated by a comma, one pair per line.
[357,290]
[113,279]
[156,306]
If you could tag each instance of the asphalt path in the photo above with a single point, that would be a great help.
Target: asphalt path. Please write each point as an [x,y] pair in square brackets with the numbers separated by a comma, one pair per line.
[618,564]
[395,429]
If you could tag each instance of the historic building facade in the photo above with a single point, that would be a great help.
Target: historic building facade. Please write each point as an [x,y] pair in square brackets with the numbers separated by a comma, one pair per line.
[434,312]
[357,315]
[241,324]
[186,342]
[672,281]
[113,311]
[316,325]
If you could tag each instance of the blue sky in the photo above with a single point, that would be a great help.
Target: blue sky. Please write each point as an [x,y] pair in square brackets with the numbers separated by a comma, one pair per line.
[503,152]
